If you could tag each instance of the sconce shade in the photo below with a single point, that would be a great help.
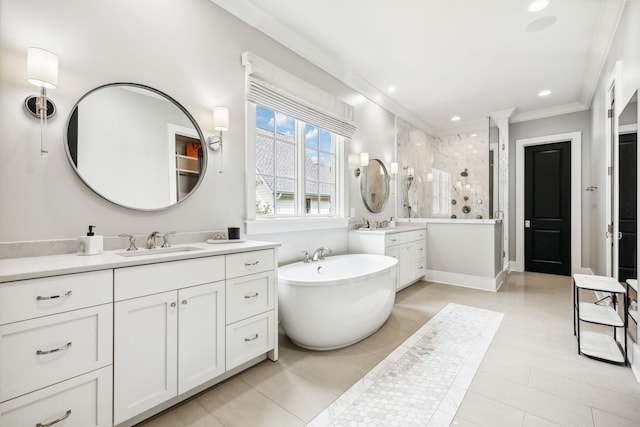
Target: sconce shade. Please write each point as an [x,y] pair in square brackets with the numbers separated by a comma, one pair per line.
[42,68]
[364,159]
[410,172]
[221,118]
[393,168]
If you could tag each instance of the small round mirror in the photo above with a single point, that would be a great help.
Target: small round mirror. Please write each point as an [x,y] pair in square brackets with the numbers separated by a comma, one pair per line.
[374,185]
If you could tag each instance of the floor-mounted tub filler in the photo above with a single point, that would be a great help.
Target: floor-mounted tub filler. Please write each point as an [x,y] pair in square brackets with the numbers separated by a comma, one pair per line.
[336,302]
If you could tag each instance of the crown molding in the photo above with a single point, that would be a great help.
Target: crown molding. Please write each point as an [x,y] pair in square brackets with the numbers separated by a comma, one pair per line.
[257,18]
[548,112]
[604,35]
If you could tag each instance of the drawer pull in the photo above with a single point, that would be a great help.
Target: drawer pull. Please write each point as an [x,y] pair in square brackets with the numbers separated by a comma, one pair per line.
[64,347]
[394,240]
[41,298]
[253,338]
[249,296]
[62,418]
[251,264]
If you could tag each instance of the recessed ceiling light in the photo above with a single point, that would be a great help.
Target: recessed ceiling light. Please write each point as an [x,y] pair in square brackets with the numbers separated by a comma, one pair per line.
[455,118]
[538,5]
[391,89]
[473,135]
[545,92]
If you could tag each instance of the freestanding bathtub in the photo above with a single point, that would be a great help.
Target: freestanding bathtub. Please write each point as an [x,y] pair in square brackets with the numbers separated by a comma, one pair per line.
[336,302]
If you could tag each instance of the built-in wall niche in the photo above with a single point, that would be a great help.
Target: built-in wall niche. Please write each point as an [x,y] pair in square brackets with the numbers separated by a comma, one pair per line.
[135,146]
[451,174]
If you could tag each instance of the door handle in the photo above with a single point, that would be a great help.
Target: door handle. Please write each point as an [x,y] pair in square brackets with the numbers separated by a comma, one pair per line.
[527,223]
[619,235]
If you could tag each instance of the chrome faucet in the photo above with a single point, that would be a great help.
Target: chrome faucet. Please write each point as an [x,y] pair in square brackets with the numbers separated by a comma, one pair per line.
[151,240]
[320,253]
[165,239]
[132,241]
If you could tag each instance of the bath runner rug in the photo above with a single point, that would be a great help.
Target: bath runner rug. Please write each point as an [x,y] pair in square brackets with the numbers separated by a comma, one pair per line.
[423,381]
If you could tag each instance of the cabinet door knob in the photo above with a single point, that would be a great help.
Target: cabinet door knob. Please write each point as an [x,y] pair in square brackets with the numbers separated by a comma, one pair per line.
[184,302]
[173,305]
[62,418]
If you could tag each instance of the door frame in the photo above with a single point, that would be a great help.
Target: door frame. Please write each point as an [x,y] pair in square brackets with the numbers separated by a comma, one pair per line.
[576,195]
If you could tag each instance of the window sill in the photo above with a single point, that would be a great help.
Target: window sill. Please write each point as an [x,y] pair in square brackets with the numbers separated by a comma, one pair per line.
[285,225]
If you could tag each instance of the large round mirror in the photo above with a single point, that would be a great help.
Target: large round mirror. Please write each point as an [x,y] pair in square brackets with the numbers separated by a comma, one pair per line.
[135,146]
[374,185]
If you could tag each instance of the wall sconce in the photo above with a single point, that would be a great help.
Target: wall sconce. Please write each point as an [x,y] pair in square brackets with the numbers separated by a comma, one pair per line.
[221,124]
[364,161]
[42,71]
[393,169]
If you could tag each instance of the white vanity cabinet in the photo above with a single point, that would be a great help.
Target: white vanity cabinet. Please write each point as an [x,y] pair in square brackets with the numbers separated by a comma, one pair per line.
[56,350]
[169,342]
[111,340]
[407,246]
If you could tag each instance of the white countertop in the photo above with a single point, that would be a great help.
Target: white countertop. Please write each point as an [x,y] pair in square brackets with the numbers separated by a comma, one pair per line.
[33,267]
[391,230]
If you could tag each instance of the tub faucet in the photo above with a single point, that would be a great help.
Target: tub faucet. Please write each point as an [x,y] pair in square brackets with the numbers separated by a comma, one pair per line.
[151,240]
[320,253]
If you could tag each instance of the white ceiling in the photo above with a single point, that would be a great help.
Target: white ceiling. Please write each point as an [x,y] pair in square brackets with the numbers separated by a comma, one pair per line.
[450,57]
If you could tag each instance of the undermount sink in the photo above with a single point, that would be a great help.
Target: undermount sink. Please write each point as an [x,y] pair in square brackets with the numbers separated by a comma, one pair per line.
[148,252]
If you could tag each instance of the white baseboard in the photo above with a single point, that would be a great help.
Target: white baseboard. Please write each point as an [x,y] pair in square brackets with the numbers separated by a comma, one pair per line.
[467,281]
[586,270]
[514,267]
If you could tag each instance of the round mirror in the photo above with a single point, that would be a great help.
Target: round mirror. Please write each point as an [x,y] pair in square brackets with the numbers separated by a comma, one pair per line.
[374,185]
[135,146]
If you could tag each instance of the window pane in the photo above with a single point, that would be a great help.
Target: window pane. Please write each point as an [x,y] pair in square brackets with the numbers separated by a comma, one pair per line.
[324,163]
[285,196]
[311,136]
[264,152]
[285,125]
[264,118]
[285,158]
[325,140]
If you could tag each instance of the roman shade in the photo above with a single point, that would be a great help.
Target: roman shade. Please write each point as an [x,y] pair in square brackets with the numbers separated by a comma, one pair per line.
[281,91]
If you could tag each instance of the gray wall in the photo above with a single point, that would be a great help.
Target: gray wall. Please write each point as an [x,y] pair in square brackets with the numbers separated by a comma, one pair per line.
[575,122]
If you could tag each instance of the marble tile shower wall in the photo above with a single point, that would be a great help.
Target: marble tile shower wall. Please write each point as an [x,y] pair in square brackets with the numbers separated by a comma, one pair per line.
[440,188]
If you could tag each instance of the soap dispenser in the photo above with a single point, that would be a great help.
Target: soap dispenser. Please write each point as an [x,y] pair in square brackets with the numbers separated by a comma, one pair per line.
[90,244]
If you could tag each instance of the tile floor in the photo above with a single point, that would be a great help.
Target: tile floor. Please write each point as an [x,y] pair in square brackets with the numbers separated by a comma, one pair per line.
[530,376]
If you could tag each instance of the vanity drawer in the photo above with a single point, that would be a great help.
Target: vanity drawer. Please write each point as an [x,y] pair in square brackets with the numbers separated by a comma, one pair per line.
[250,295]
[39,352]
[249,338]
[249,263]
[133,282]
[83,401]
[421,249]
[392,239]
[28,299]
[412,236]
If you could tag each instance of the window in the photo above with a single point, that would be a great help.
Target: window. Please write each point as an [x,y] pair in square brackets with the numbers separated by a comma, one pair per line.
[295,167]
